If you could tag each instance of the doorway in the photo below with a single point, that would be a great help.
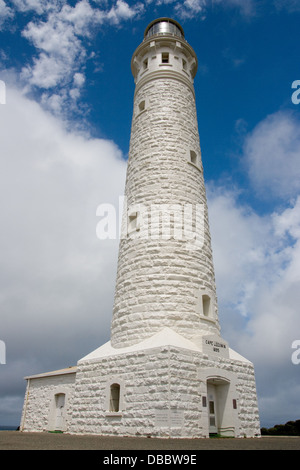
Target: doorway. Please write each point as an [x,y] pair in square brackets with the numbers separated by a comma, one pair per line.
[60,399]
[220,403]
[212,409]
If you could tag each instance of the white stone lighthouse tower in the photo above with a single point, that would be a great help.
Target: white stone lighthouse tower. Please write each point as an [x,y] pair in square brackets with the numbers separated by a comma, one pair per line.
[165,271]
[166,372]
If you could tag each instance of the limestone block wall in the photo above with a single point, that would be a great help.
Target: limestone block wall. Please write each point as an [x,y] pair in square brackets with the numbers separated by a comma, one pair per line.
[162,276]
[144,384]
[161,394]
[39,410]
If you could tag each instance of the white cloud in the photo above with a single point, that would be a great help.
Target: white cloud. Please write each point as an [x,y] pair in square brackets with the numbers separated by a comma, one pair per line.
[257,261]
[78,82]
[61,41]
[122,11]
[48,71]
[5,13]
[190,8]
[272,154]
[38,6]
[243,248]
[289,221]
[78,79]
[57,277]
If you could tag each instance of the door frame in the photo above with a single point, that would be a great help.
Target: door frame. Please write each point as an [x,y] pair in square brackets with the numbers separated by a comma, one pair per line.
[227,403]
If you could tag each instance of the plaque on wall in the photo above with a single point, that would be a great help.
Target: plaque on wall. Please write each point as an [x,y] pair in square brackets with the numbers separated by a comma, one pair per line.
[169,418]
[215,345]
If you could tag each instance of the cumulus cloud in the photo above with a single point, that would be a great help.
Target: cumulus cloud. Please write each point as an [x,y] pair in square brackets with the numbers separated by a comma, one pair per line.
[122,11]
[242,247]
[57,277]
[190,8]
[272,155]
[5,13]
[38,6]
[61,41]
[257,261]
[254,254]
[58,40]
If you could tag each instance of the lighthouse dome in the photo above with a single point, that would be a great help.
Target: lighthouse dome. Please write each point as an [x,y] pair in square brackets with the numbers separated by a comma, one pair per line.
[163,26]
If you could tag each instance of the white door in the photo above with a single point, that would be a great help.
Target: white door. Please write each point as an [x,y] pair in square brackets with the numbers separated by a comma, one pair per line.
[212,409]
[60,405]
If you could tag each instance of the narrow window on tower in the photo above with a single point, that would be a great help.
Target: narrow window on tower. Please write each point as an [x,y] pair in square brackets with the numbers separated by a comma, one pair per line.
[165,58]
[206,305]
[145,64]
[133,222]
[184,64]
[142,106]
[193,157]
[114,399]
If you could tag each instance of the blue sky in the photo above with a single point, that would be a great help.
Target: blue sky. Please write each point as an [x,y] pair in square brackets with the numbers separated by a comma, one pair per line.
[64,137]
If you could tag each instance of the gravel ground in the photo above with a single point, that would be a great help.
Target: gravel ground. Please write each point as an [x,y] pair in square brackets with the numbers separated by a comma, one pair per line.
[14,440]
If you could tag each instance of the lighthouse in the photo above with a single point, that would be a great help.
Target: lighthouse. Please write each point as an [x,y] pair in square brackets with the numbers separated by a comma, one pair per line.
[166,371]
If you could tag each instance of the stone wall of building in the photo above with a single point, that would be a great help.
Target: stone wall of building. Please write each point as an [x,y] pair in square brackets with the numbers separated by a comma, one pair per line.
[40,407]
[161,394]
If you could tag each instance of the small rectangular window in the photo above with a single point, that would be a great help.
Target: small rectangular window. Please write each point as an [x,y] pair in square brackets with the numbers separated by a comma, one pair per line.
[205,305]
[204,403]
[133,222]
[142,106]
[193,157]
[184,64]
[145,64]
[165,57]
[234,404]
[114,401]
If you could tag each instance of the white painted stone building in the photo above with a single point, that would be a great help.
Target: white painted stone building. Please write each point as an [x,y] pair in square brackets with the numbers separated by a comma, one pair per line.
[166,371]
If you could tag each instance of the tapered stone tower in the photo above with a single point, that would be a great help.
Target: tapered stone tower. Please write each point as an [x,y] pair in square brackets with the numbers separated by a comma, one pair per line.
[166,372]
[165,270]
